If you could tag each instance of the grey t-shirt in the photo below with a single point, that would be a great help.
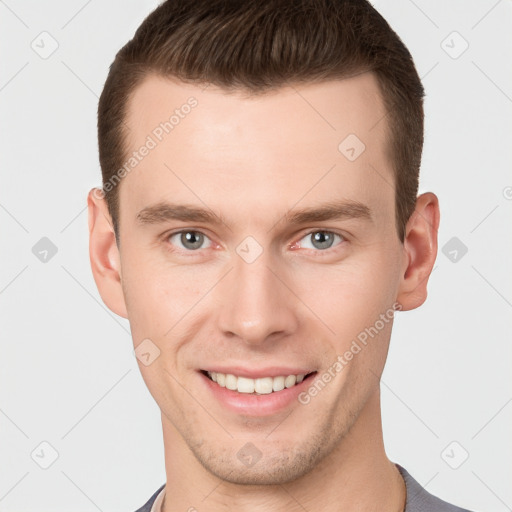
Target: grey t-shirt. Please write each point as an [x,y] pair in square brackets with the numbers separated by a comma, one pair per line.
[417,500]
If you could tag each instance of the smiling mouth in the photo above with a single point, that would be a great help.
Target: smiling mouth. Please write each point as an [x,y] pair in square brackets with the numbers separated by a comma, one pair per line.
[259,386]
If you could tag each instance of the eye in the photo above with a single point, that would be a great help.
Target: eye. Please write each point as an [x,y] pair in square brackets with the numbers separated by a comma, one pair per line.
[320,239]
[190,240]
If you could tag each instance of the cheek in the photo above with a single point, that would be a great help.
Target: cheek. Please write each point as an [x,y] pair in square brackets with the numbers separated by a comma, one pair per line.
[350,297]
[161,297]
[156,294]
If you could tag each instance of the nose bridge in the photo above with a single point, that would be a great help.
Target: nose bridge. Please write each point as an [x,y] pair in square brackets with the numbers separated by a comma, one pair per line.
[256,304]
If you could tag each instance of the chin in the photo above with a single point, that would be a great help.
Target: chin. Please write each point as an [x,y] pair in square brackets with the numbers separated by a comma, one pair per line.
[264,474]
[272,465]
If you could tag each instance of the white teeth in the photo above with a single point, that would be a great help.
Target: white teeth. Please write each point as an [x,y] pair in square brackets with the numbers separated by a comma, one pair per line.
[231,381]
[245,385]
[278,383]
[290,381]
[261,386]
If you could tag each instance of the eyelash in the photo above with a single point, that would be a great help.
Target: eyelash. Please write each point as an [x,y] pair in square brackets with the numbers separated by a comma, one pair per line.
[193,253]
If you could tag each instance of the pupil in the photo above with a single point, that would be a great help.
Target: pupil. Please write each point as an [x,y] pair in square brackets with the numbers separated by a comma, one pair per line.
[193,238]
[323,240]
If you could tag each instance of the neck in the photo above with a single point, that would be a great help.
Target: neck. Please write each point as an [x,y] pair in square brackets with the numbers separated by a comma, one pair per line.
[355,476]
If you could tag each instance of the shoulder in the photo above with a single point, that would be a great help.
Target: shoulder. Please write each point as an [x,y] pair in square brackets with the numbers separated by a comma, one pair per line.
[420,500]
[149,504]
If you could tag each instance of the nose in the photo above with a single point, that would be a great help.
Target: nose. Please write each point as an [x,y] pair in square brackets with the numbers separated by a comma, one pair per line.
[258,305]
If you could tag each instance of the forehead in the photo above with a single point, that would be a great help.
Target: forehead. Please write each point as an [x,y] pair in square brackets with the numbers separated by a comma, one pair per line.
[298,143]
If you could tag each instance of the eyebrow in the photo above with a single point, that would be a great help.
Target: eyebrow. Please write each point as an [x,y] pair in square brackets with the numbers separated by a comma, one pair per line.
[332,210]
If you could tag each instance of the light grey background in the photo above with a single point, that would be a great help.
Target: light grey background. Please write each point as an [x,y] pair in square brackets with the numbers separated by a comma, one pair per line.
[68,376]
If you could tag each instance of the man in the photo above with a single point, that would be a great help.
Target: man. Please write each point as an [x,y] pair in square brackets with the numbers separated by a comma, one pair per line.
[259,225]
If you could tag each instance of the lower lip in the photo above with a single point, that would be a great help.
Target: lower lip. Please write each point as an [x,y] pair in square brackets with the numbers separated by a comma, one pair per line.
[257,405]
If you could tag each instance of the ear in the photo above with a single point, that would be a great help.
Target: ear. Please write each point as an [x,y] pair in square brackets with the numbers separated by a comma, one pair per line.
[420,251]
[104,253]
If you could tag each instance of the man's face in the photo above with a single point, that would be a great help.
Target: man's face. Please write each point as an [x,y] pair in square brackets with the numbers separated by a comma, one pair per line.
[252,293]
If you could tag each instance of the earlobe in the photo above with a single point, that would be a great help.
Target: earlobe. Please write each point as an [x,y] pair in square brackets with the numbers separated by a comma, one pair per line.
[420,251]
[104,253]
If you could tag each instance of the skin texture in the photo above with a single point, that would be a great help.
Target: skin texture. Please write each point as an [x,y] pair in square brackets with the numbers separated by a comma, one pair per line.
[253,160]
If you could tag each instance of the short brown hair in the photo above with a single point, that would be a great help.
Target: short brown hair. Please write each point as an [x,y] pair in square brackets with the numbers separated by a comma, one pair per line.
[262,45]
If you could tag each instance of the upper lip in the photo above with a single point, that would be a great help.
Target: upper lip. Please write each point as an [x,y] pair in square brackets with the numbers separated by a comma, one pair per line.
[254,373]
